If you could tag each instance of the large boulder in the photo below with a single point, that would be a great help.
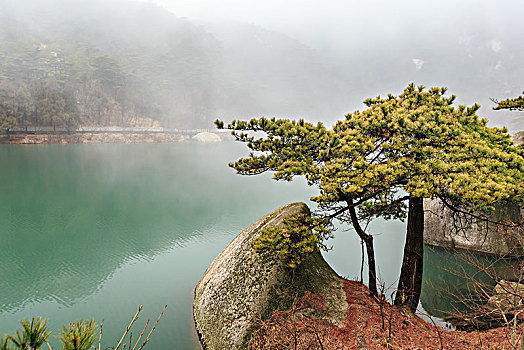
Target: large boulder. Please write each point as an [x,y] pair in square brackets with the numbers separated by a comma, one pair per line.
[242,287]
[441,230]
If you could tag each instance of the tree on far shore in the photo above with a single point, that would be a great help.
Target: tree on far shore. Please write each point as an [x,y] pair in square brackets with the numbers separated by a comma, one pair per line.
[383,161]
[8,113]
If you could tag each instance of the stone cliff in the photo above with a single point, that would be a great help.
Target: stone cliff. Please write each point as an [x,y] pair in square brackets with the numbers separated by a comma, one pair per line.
[440,230]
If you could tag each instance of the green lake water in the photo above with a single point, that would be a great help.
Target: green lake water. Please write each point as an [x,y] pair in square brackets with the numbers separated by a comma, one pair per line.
[94,231]
[456,282]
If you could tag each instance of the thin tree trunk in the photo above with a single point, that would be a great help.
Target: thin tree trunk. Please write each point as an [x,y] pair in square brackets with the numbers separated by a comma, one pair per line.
[372,277]
[410,281]
[368,240]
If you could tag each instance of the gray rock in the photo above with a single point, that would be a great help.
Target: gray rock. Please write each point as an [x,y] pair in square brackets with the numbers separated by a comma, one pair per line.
[440,230]
[518,138]
[505,301]
[241,287]
[507,296]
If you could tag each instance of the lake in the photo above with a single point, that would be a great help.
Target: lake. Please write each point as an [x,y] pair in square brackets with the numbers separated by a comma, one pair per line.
[94,231]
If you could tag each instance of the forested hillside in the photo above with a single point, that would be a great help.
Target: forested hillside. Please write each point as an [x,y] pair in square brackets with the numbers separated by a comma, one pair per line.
[77,63]
[104,65]
[136,64]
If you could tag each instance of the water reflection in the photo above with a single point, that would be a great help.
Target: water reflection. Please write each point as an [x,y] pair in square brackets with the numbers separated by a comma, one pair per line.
[70,217]
[456,282]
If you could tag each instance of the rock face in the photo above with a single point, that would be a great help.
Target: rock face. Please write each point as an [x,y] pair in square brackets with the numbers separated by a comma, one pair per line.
[439,231]
[241,287]
[518,138]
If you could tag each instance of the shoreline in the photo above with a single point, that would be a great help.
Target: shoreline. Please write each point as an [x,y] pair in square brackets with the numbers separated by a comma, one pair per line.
[96,138]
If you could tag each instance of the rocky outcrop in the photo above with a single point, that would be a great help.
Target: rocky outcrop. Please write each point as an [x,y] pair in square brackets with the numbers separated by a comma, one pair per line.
[441,230]
[242,287]
[505,300]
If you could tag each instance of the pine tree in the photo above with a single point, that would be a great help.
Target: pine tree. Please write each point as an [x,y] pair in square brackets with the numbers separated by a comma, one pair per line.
[79,335]
[33,335]
[383,161]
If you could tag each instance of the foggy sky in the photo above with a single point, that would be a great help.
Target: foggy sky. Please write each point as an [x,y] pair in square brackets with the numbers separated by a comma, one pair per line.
[340,23]
[476,48]
[351,31]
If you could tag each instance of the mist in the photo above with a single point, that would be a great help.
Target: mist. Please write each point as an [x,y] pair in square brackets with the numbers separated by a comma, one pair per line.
[182,64]
[472,47]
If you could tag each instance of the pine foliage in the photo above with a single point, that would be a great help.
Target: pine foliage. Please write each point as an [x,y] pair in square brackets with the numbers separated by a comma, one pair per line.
[416,142]
[33,335]
[512,104]
[79,335]
[300,235]
[411,146]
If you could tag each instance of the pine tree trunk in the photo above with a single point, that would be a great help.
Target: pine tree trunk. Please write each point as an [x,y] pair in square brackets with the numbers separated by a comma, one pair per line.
[372,273]
[410,282]
[368,240]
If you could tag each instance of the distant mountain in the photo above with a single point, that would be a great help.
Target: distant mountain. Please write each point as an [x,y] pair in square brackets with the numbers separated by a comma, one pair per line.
[268,73]
[134,63]
[78,62]
[122,63]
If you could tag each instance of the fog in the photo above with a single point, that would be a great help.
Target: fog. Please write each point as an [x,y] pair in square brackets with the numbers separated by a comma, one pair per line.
[338,24]
[382,38]
[342,27]
[185,62]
